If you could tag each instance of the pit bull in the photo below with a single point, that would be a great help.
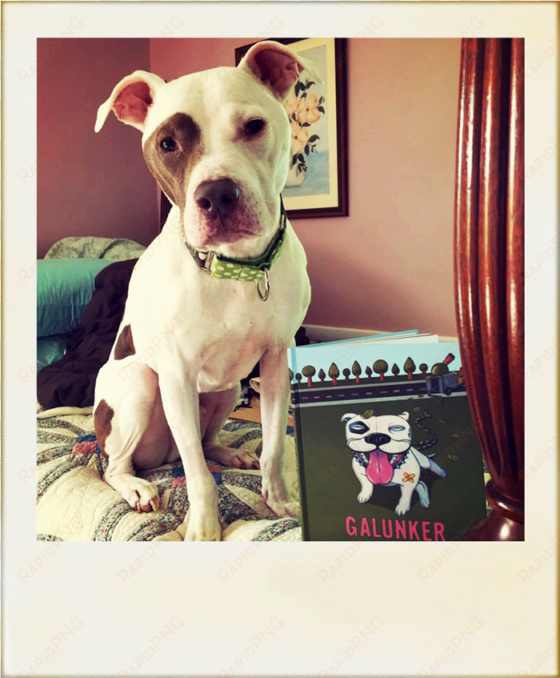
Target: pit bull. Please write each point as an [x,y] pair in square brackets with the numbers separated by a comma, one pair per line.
[223,286]
[383,455]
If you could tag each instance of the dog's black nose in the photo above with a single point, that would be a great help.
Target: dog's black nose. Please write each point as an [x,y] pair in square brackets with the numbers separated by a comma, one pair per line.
[378,439]
[217,198]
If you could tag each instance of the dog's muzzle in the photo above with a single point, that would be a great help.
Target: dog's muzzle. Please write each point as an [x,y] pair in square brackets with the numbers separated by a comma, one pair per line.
[377,439]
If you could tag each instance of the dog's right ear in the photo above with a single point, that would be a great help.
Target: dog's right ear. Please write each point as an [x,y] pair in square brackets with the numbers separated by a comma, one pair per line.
[347,417]
[131,99]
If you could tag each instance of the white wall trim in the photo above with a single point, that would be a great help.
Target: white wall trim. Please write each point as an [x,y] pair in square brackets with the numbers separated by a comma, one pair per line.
[324,333]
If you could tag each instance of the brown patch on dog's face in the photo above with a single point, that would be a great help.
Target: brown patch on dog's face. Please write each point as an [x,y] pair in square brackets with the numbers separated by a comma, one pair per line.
[102,418]
[125,344]
[171,152]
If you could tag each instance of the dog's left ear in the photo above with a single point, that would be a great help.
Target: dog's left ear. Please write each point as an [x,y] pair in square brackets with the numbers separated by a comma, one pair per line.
[131,99]
[277,67]
[347,417]
[404,415]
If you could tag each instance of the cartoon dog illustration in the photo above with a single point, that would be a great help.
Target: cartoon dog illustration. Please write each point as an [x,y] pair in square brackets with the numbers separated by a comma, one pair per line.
[384,455]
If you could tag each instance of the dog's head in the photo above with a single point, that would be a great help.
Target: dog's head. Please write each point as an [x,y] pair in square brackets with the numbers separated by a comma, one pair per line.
[387,433]
[217,142]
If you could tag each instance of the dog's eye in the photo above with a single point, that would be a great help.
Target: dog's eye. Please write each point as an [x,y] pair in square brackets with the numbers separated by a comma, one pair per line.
[168,144]
[395,429]
[358,428]
[254,126]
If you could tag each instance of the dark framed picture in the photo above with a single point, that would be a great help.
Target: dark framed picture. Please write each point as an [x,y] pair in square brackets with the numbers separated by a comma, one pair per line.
[317,184]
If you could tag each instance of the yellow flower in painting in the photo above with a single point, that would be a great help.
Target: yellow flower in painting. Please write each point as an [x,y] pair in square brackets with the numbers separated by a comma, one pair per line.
[291,103]
[307,109]
[300,135]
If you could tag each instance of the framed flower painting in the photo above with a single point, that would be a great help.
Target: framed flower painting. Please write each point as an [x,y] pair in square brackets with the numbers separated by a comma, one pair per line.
[317,184]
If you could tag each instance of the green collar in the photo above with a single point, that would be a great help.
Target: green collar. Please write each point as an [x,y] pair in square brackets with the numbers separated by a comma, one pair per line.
[248,270]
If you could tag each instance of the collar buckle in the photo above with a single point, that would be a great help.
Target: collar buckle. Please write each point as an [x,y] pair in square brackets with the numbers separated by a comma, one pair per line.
[207,259]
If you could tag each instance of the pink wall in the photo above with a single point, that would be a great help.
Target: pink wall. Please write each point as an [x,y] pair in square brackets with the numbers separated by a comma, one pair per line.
[172,58]
[389,265]
[87,183]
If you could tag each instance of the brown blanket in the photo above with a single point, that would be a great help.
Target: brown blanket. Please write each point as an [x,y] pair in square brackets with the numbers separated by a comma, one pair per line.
[70,381]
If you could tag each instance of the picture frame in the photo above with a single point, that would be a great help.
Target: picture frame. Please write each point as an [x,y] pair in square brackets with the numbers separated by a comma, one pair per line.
[318,178]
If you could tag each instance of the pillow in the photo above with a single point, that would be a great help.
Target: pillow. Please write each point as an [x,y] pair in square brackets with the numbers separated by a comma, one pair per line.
[64,289]
[49,349]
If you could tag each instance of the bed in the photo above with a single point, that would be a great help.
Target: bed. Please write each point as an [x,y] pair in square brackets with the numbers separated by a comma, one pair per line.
[75,504]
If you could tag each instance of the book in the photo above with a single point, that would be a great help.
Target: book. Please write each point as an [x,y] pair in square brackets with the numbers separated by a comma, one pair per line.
[387,448]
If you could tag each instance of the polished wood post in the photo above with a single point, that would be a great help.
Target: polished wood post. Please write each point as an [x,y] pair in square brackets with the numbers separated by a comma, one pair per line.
[489,248]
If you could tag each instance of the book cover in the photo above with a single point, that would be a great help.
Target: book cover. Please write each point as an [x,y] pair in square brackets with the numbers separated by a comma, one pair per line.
[386,444]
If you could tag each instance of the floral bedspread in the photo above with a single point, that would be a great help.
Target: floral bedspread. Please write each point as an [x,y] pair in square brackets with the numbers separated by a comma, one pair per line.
[74,504]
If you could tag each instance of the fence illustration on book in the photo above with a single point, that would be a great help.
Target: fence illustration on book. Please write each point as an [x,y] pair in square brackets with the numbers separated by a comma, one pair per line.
[440,381]
[380,367]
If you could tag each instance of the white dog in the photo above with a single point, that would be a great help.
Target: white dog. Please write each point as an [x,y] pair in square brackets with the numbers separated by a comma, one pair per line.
[383,455]
[222,287]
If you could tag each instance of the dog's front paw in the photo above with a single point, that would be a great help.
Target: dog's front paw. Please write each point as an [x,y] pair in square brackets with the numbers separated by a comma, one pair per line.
[203,528]
[232,458]
[282,500]
[141,494]
[365,495]
[402,508]
[285,509]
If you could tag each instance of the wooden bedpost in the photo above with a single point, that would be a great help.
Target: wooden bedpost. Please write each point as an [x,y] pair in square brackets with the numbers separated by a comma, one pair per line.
[489,249]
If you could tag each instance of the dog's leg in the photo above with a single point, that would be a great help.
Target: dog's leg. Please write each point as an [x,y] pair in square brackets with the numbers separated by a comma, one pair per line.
[427,463]
[217,408]
[406,497]
[277,492]
[122,423]
[437,469]
[423,494]
[173,450]
[365,482]
[181,406]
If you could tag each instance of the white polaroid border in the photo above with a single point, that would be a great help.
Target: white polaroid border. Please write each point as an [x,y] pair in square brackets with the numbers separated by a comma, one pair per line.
[285,609]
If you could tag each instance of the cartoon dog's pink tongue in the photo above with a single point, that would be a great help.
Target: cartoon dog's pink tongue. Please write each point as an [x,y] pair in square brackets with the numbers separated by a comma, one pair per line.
[379,469]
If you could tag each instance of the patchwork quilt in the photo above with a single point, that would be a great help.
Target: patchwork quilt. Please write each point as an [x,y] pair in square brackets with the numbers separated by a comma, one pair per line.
[93,247]
[74,504]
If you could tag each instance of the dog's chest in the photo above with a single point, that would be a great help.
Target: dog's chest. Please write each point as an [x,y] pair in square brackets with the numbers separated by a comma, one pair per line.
[225,363]
[231,350]
[230,334]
